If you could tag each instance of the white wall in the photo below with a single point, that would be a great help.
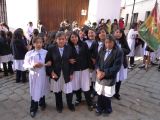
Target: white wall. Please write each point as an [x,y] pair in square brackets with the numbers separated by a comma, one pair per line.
[20,12]
[141,7]
[107,9]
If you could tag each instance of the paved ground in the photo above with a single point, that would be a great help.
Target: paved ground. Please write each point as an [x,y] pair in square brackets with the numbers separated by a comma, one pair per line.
[140,100]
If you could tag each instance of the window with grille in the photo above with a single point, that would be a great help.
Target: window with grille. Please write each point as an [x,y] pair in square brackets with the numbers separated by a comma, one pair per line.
[3,11]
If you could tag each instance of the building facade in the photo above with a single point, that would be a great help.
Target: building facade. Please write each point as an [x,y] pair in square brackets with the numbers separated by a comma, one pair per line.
[141,11]
[51,12]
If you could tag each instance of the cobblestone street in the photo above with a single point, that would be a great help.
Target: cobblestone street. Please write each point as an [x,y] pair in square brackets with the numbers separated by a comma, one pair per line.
[140,100]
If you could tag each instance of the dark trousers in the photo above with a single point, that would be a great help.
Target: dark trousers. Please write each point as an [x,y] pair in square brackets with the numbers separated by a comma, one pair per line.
[78,95]
[104,104]
[131,60]
[92,90]
[118,86]
[87,96]
[7,68]
[21,76]
[59,100]
[34,104]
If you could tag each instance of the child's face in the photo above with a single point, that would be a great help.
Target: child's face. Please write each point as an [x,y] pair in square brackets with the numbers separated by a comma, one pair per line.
[118,34]
[91,35]
[81,34]
[38,44]
[61,41]
[109,44]
[102,35]
[74,39]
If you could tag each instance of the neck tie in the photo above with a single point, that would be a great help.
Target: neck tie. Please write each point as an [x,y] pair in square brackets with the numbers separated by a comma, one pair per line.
[40,58]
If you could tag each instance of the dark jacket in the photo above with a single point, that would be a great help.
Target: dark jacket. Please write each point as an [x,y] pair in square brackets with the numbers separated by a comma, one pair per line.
[5,48]
[82,58]
[19,49]
[60,63]
[126,50]
[92,54]
[110,66]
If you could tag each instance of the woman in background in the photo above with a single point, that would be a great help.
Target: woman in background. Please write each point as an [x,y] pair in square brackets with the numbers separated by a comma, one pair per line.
[6,53]
[19,49]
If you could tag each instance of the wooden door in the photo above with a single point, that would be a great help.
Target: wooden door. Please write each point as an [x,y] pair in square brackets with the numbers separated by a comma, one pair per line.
[52,12]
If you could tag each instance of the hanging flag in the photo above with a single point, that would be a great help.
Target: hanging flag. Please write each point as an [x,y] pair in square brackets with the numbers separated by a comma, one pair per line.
[149,31]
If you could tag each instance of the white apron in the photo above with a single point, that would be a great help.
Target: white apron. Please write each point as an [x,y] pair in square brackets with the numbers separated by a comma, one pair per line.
[6,58]
[122,74]
[38,81]
[18,65]
[107,91]
[81,79]
[131,41]
[60,85]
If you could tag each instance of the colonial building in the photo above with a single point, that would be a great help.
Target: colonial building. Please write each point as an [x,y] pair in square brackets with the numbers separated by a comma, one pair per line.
[141,11]
[52,12]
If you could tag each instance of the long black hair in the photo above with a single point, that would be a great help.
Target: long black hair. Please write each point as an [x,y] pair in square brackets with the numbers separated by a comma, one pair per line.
[3,34]
[76,34]
[122,40]
[18,34]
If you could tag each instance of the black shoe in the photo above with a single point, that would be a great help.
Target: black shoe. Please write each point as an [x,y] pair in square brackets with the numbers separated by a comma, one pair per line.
[130,67]
[117,96]
[90,108]
[59,110]
[159,68]
[98,113]
[24,81]
[5,74]
[77,102]
[32,114]
[154,64]
[133,65]
[142,66]
[107,113]
[72,108]
[11,72]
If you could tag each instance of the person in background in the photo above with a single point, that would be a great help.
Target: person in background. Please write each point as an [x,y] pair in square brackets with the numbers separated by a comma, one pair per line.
[30,30]
[82,35]
[6,53]
[101,23]
[121,24]
[131,39]
[94,25]
[108,64]
[39,84]
[4,27]
[114,26]
[35,34]
[19,49]
[122,74]
[108,24]
[41,28]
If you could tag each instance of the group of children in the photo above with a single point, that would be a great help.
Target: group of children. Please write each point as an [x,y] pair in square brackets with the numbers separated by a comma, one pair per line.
[72,65]
[93,62]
